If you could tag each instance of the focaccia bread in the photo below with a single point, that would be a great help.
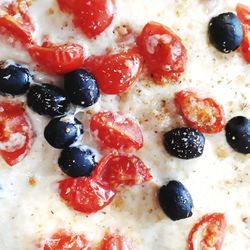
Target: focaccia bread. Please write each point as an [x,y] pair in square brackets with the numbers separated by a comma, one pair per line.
[124,124]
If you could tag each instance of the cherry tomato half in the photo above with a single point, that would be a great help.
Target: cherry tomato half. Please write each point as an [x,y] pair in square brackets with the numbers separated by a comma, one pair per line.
[245,46]
[243,12]
[16,21]
[116,131]
[58,58]
[117,72]
[92,17]
[118,169]
[163,51]
[212,228]
[21,8]
[16,132]
[66,241]
[202,114]
[85,195]
[114,242]
[66,5]
[10,26]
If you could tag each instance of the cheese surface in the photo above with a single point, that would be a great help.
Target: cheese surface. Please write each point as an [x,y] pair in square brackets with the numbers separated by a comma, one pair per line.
[31,209]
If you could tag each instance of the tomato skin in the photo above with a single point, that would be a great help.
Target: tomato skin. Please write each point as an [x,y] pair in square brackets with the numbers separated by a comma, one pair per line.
[116,131]
[117,72]
[114,242]
[66,241]
[21,7]
[213,232]
[204,115]
[66,5]
[16,21]
[14,122]
[92,17]
[117,169]
[245,46]
[163,51]
[10,26]
[243,13]
[58,59]
[84,194]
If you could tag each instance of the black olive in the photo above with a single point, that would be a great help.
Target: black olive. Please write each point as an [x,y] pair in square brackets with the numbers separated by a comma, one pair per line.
[175,200]
[225,32]
[77,161]
[47,100]
[81,88]
[14,79]
[238,134]
[184,143]
[62,132]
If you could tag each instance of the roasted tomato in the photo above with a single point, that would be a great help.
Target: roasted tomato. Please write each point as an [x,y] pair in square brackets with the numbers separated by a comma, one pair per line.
[203,114]
[245,46]
[21,8]
[85,195]
[115,73]
[16,132]
[92,17]
[212,228]
[66,5]
[66,241]
[10,26]
[118,170]
[243,12]
[116,131]
[163,51]
[114,242]
[58,58]
[16,21]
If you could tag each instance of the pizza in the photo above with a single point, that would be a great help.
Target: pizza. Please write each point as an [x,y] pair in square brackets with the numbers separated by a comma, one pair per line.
[124,125]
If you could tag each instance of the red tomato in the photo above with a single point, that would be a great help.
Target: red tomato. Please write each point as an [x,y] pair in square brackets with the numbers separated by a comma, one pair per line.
[202,114]
[16,21]
[58,58]
[12,27]
[21,8]
[116,131]
[212,228]
[119,169]
[114,242]
[92,17]
[243,13]
[163,51]
[66,241]
[85,195]
[66,5]
[115,73]
[245,45]
[16,132]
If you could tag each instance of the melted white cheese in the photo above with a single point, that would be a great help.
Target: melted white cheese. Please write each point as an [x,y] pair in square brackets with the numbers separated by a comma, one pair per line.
[218,181]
